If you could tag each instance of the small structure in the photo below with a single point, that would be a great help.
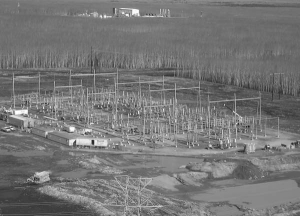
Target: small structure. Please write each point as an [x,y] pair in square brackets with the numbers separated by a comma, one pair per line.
[64,138]
[249,148]
[87,131]
[164,13]
[91,142]
[20,111]
[39,177]
[41,131]
[20,121]
[3,116]
[296,144]
[69,129]
[94,14]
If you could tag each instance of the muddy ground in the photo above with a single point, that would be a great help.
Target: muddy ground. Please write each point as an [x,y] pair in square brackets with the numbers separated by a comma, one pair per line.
[18,163]
[238,191]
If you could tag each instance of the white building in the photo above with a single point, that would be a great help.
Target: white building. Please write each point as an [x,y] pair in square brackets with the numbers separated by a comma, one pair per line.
[129,12]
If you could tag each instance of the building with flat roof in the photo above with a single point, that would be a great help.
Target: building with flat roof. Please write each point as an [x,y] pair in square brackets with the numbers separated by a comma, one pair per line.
[64,138]
[20,121]
[74,139]
[42,131]
[126,12]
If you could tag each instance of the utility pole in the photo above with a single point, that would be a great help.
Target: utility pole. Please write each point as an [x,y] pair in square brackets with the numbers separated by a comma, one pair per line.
[208,118]
[273,86]
[14,98]
[91,59]
[39,84]
[94,80]
[53,108]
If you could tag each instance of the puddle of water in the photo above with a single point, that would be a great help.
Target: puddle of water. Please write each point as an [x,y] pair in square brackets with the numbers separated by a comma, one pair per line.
[165,163]
[9,194]
[28,198]
[92,175]
[78,173]
[226,211]
[229,182]
[62,162]
[29,153]
[258,196]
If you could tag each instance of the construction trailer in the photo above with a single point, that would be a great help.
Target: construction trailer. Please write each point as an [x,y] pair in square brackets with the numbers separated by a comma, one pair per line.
[91,142]
[41,131]
[64,138]
[21,121]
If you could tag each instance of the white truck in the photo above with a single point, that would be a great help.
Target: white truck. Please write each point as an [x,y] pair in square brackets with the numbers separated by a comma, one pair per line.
[87,131]
[69,129]
[39,177]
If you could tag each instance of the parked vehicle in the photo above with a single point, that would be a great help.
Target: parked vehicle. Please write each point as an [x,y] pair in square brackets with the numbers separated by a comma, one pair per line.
[11,128]
[39,177]
[296,143]
[6,129]
[69,129]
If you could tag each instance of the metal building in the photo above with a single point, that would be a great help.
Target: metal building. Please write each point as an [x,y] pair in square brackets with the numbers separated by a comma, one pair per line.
[41,131]
[128,12]
[20,121]
[63,137]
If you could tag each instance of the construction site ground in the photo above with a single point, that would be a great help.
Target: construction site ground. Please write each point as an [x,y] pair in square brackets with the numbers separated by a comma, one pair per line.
[212,182]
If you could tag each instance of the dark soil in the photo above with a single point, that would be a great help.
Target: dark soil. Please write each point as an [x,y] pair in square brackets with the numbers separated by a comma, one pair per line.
[26,201]
[247,170]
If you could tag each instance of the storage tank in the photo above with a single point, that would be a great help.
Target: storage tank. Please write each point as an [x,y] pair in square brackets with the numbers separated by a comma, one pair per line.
[115,11]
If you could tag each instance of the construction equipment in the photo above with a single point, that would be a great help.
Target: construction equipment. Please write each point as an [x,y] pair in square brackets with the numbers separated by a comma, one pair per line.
[39,177]
[296,143]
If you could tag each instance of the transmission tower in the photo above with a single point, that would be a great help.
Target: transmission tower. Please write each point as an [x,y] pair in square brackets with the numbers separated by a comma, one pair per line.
[135,199]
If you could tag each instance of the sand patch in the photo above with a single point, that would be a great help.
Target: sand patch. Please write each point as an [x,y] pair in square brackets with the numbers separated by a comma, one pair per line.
[278,163]
[217,169]
[96,164]
[165,182]
[226,211]
[191,178]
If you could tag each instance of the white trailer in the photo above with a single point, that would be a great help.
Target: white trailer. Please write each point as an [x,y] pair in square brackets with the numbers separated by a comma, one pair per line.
[91,142]
[20,112]
[102,143]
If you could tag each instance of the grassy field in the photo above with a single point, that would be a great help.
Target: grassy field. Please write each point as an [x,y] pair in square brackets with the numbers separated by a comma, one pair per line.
[240,45]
